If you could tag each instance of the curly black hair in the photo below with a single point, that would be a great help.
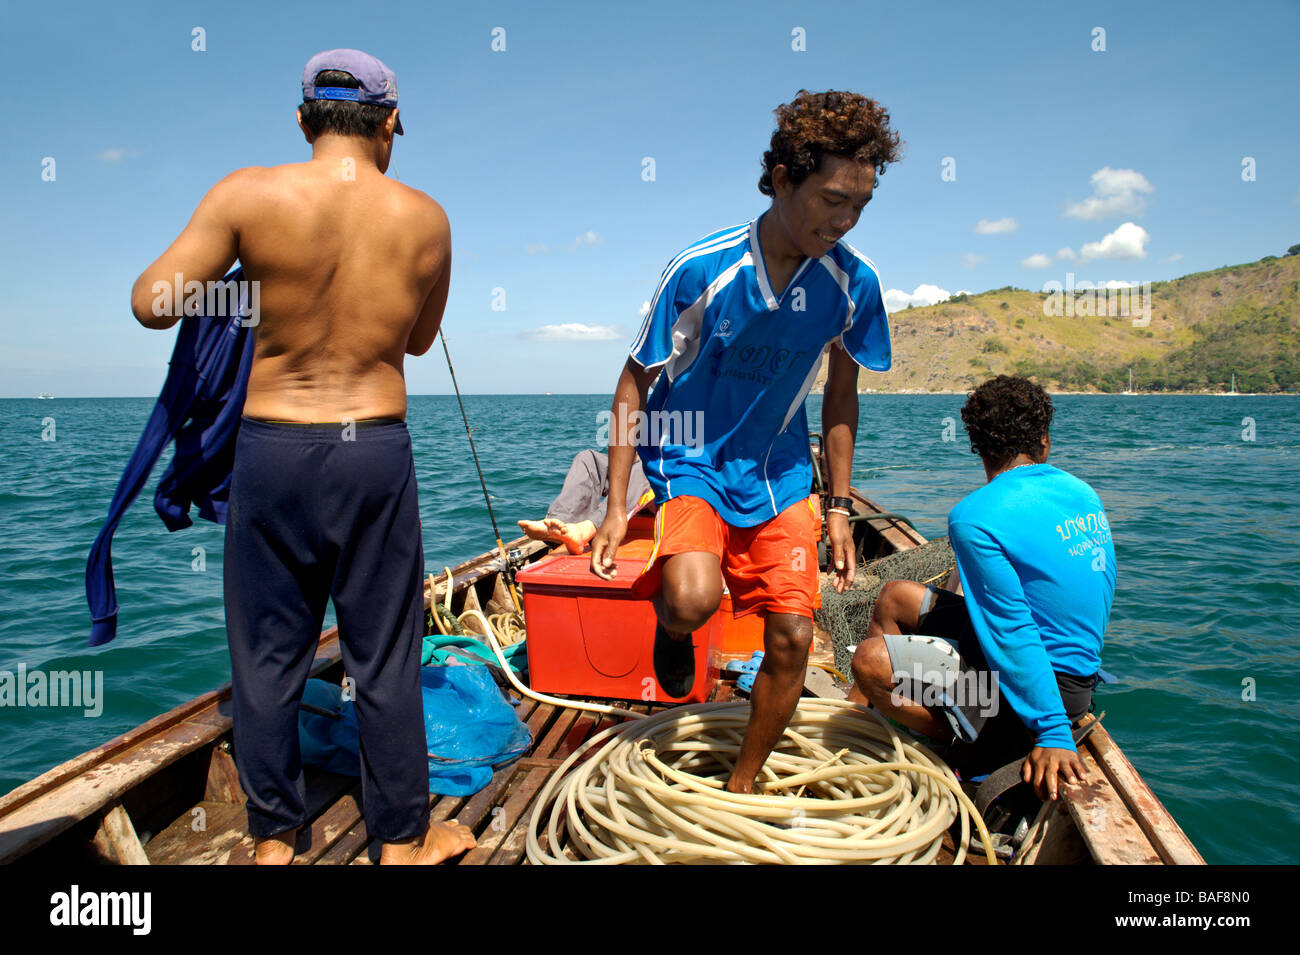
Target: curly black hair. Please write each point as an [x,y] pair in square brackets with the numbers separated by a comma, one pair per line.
[832,123]
[1006,416]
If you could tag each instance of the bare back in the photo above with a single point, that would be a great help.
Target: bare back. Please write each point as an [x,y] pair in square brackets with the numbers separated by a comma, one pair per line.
[344,268]
[352,273]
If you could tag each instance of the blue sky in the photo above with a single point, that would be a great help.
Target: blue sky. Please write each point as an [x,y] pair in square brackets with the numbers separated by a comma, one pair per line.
[1128,159]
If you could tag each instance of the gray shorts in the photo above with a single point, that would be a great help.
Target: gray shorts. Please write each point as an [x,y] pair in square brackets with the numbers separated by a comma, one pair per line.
[946,649]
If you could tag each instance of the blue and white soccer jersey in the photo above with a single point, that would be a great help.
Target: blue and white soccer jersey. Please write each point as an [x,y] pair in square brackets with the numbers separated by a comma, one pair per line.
[725,418]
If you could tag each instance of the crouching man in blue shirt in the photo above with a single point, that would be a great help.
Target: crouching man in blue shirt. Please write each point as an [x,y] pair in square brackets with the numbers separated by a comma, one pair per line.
[1037,571]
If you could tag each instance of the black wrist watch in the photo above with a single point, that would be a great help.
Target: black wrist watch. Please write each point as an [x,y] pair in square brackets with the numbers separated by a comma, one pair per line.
[844,502]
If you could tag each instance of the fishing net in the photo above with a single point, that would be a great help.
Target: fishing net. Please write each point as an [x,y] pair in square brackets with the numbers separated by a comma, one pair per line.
[846,616]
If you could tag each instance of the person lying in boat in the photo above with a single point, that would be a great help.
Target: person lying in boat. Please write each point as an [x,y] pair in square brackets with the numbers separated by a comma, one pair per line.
[1037,572]
[732,344]
[353,270]
[582,502]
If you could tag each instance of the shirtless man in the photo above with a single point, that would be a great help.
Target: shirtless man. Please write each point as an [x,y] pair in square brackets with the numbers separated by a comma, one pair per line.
[352,271]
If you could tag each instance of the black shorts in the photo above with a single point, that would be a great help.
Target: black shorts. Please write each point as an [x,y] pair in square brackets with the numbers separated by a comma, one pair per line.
[1004,737]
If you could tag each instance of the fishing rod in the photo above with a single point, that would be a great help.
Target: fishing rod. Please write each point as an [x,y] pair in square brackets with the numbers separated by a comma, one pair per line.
[510,578]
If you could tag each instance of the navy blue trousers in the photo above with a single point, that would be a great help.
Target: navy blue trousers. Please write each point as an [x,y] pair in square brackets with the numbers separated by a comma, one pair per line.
[318,512]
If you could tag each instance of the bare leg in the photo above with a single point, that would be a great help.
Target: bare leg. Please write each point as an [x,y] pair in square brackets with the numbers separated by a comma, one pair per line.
[897,610]
[691,592]
[440,842]
[777,686]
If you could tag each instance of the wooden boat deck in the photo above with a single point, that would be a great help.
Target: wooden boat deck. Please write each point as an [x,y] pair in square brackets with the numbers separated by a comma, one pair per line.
[336,835]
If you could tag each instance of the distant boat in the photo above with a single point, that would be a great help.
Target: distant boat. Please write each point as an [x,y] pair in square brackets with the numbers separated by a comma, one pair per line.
[1130,383]
[45,394]
[1233,391]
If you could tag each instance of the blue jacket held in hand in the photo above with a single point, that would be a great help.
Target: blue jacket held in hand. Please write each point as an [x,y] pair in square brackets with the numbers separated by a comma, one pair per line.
[199,409]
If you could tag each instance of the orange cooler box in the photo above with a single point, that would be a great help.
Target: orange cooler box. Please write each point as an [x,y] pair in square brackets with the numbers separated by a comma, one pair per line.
[591,637]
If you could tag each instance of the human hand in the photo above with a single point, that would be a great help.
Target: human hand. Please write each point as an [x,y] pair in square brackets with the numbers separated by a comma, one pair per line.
[605,544]
[843,553]
[1045,763]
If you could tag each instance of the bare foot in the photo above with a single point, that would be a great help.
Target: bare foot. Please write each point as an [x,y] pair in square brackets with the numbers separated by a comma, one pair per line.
[275,850]
[535,529]
[575,537]
[442,841]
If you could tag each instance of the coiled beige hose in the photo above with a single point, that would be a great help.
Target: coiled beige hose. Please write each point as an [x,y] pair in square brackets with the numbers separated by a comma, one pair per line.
[654,792]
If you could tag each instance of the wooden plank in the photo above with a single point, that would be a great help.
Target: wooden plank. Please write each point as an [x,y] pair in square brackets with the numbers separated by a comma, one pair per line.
[197,709]
[223,778]
[505,817]
[331,825]
[35,822]
[40,810]
[1164,834]
[347,847]
[1054,840]
[1103,820]
[115,839]
[207,838]
[556,735]
[896,533]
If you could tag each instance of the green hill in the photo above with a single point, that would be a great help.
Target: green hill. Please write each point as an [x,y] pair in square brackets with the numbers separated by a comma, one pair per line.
[1204,327]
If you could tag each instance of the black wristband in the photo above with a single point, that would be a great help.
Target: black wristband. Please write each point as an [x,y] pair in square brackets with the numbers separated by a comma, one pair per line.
[844,502]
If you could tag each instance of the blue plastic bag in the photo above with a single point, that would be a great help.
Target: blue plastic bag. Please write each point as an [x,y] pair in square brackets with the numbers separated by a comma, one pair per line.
[469,728]
[329,743]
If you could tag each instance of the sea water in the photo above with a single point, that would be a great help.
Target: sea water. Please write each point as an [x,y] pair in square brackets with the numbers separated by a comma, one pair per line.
[1202,495]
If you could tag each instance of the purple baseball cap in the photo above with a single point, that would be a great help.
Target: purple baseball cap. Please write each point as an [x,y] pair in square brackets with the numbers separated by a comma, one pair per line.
[377,82]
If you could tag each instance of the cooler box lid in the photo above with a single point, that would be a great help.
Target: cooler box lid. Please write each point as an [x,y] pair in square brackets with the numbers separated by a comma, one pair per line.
[570,571]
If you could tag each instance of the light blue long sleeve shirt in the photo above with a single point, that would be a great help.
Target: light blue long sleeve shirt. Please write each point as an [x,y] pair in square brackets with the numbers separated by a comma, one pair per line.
[1037,566]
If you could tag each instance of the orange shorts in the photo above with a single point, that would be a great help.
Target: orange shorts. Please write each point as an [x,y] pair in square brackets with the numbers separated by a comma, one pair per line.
[770,567]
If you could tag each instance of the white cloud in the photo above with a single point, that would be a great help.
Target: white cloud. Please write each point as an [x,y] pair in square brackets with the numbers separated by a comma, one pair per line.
[536,249]
[997,226]
[116,154]
[1172,258]
[1116,283]
[1036,261]
[970,260]
[574,332]
[1067,254]
[1114,193]
[644,310]
[1127,242]
[896,299]
[589,239]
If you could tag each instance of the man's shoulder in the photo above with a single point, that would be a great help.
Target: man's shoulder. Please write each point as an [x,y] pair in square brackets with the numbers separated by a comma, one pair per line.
[706,257]
[861,271]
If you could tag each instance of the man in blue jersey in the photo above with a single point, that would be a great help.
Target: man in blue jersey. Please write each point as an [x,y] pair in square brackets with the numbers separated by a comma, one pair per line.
[712,398]
[1037,568]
